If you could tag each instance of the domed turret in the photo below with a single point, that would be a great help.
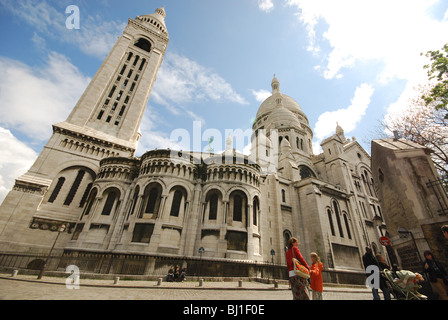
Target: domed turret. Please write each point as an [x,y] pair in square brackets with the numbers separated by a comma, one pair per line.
[156,19]
[275,84]
[270,104]
[279,114]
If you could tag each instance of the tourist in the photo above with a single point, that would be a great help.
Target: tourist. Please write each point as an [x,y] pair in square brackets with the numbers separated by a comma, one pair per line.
[298,284]
[183,275]
[369,260]
[170,275]
[383,284]
[176,273]
[317,282]
[437,275]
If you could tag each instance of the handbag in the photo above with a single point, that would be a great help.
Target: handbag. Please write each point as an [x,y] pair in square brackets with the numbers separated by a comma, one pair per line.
[299,269]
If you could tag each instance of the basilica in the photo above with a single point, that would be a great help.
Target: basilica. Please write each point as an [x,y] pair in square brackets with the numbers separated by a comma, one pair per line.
[219,214]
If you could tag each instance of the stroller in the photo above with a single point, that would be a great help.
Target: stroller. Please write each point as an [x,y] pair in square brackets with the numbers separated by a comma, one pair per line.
[404,284]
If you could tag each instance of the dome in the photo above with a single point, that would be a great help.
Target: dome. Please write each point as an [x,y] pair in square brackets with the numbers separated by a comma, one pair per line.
[270,105]
[284,117]
[156,19]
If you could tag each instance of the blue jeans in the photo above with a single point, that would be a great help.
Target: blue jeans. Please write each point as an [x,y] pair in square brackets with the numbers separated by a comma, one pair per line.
[385,290]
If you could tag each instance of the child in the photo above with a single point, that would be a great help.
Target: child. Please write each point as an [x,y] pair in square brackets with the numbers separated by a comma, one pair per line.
[316,276]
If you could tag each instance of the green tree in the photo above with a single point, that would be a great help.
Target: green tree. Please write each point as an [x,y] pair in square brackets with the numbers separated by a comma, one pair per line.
[438,70]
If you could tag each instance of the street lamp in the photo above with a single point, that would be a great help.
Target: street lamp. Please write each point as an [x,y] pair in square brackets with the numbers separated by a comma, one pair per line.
[41,273]
[201,251]
[378,221]
[272,254]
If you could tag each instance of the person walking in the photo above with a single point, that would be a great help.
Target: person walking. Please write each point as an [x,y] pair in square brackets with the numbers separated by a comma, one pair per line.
[369,260]
[383,284]
[317,282]
[298,284]
[437,275]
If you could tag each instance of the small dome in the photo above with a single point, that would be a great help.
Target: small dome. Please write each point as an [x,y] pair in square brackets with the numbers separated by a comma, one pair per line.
[156,19]
[290,104]
[284,117]
[270,104]
[161,12]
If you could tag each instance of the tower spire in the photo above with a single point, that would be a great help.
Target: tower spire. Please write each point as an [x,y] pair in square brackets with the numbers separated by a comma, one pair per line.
[275,84]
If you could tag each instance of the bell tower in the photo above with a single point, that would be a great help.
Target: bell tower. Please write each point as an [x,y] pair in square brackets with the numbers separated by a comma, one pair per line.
[104,122]
[114,102]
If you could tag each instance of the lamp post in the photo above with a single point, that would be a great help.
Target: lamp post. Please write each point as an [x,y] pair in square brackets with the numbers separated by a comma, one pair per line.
[42,270]
[272,260]
[201,251]
[378,221]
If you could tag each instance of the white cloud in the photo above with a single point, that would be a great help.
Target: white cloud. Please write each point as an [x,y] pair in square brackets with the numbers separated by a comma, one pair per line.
[265,5]
[95,37]
[181,80]
[261,95]
[15,159]
[348,118]
[34,98]
[392,32]
[154,139]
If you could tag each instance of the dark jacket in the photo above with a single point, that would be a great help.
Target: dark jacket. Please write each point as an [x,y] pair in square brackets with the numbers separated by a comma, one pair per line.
[369,259]
[435,270]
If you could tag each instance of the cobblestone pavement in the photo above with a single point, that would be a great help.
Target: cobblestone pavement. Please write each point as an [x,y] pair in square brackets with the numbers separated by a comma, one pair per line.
[25,287]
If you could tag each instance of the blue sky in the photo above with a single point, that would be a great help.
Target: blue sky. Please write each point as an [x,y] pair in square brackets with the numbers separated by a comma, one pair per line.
[346,61]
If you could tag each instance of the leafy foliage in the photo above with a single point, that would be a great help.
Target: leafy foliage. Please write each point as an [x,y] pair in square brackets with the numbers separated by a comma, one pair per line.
[438,70]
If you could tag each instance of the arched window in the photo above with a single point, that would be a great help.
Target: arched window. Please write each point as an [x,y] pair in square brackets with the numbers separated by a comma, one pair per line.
[71,194]
[56,189]
[143,44]
[175,206]
[286,236]
[85,195]
[283,195]
[255,208]
[237,208]
[338,218]
[152,206]
[134,200]
[112,196]
[347,226]
[213,207]
[213,200]
[137,58]
[90,201]
[142,64]
[306,172]
[330,219]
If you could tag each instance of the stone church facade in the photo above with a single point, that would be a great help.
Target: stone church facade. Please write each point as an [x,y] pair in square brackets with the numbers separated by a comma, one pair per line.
[189,206]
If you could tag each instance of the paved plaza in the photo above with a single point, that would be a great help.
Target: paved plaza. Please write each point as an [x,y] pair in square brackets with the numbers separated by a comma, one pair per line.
[27,287]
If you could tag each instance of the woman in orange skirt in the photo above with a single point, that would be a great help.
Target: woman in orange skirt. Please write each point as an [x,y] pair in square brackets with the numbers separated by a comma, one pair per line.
[298,284]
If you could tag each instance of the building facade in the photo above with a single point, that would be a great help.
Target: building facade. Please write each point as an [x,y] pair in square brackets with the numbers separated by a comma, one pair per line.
[414,201]
[219,208]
